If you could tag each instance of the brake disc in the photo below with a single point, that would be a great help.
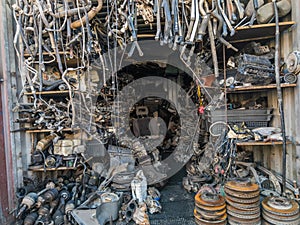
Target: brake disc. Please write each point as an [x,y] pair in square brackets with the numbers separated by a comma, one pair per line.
[281,218]
[202,220]
[209,199]
[274,221]
[243,211]
[210,214]
[243,200]
[247,217]
[243,206]
[239,194]
[211,208]
[239,221]
[242,185]
[278,211]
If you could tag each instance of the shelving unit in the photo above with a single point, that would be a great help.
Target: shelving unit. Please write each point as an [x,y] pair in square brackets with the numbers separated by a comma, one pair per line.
[52,169]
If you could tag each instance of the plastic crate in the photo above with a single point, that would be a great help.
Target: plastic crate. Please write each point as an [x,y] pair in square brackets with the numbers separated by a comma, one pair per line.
[251,118]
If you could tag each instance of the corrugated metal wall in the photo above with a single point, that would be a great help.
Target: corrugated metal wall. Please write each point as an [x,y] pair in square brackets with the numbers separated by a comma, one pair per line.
[11,167]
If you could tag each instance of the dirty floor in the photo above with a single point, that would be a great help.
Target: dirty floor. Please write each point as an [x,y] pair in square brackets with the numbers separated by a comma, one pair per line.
[177,204]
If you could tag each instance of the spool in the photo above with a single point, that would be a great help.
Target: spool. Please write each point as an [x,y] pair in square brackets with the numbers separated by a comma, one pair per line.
[293,62]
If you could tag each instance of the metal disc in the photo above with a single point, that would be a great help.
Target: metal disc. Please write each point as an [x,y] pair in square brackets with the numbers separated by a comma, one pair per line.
[290,212]
[238,221]
[274,221]
[243,206]
[243,211]
[211,208]
[242,186]
[209,199]
[239,194]
[243,200]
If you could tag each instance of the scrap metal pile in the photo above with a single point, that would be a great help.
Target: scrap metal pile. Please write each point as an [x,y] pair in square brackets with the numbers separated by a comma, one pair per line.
[70,55]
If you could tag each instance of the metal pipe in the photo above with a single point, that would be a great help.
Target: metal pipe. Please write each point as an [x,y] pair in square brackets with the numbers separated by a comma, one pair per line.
[279,96]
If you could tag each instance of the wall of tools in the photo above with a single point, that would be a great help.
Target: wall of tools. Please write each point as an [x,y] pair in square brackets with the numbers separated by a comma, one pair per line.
[73,59]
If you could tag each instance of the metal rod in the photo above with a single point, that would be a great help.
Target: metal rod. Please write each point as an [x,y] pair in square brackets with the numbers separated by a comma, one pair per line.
[279,96]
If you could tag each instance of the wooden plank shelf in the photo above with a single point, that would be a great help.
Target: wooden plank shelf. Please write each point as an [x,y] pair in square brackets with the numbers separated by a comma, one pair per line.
[48,92]
[260,143]
[48,130]
[253,88]
[258,32]
[52,169]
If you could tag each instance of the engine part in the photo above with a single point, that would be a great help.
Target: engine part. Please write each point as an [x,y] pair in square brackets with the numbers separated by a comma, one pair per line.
[290,78]
[293,62]
[30,218]
[28,201]
[139,187]
[266,13]
[45,142]
[108,209]
[140,215]
[255,70]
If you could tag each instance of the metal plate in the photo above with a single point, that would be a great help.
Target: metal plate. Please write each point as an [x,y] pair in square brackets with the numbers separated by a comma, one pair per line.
[243,200]
[238,221]
[290,212]
[210,215]
[239,194]
[221,220]
[243,206]
[211,208]
[242,186]
[209,199]
[281,218]
[243,211]
[274,221]
[242,216]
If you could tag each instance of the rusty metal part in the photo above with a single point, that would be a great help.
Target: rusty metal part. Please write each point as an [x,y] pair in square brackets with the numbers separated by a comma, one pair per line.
[209,199]
[211,208]
[281,212]
[239,221]
[247,217]
[239,194]
[280,203]
[198,222]
[210,215]
[90,15]
[281,218]
[200,219]
[242,185]
[243,200]
[243,206]
[242,211]
[286,222]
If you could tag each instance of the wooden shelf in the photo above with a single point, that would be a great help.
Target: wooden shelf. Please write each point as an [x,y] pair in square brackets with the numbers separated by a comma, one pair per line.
[48,92]
[47,130]
[258,32]
[253,143]
[52,169]
[253,88]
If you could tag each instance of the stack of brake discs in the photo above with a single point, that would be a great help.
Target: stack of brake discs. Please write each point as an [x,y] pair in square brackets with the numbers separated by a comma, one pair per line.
[243,205]
[210,209]
[279,210]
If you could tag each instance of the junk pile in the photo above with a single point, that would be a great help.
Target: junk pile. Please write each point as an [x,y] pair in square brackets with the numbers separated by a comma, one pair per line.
[82,198]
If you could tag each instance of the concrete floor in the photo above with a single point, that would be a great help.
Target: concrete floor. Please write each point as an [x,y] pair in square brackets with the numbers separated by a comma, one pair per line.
[177,204]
